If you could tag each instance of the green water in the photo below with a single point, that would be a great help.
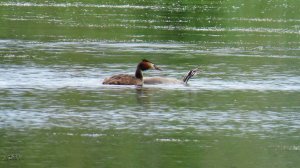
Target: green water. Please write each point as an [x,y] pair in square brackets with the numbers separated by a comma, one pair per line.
[241,111]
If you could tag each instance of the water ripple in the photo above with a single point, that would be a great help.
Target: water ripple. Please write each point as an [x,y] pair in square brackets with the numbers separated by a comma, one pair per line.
[204,121]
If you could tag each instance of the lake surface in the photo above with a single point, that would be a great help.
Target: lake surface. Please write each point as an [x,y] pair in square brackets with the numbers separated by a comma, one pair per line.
[241,111]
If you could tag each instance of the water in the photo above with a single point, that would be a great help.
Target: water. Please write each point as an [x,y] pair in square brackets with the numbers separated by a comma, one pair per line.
[242,110]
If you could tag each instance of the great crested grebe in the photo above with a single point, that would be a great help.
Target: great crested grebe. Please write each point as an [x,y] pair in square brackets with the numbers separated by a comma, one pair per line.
[137,79]
[163,80]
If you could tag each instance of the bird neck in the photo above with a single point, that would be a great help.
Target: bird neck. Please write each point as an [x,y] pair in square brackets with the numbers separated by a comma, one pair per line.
[138,73]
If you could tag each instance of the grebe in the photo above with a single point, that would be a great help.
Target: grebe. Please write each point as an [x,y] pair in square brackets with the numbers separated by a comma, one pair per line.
[137,79]
[162,80]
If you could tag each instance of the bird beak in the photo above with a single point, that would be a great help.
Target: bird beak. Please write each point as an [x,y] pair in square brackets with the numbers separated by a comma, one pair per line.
[156,67]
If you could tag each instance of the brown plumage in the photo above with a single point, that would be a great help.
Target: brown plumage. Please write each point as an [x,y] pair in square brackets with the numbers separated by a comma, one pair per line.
[137,79]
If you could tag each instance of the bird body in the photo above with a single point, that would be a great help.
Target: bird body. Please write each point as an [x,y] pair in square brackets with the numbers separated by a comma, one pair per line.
[137,79]
[123,79]
[163,80]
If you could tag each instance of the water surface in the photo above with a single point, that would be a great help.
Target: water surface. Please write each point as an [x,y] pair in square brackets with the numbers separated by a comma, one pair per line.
[242,110]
